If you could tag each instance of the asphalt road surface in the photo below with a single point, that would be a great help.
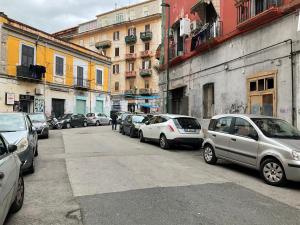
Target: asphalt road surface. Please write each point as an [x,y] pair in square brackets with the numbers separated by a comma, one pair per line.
[95,176]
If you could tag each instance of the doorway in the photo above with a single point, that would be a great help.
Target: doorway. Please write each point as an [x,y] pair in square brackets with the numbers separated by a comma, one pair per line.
[58,107]
[80,106]
[26,103]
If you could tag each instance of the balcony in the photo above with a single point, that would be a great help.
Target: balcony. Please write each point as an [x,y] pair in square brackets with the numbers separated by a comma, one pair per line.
[33,73]
[253,12]
[103,44]
[146,54]
[145,91]
[145,72]
[130,74]
[81,84]
[146,36]
[130,39]
[130,92]
[130,56]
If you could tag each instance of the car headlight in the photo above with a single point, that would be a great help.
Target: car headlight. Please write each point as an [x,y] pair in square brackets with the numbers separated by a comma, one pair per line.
[22,145]
[296,155]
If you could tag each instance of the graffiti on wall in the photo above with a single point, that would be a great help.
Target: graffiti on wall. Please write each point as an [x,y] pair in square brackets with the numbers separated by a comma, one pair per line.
[237,107]
[39,105]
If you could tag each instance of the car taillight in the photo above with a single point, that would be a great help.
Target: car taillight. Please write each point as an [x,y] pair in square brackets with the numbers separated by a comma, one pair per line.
[171,128]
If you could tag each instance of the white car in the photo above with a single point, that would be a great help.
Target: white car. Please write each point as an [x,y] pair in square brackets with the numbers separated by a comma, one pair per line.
[171,130]
[11,180]
[98,119]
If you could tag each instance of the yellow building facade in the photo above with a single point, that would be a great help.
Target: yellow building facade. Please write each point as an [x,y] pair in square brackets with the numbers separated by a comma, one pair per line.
[130,36]
[40,73]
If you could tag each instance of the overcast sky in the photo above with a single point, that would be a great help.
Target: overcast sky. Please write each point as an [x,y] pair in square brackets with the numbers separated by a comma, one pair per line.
[55,15]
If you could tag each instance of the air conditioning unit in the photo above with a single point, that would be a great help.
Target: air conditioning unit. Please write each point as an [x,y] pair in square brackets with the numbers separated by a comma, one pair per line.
[185,27]
[38,91]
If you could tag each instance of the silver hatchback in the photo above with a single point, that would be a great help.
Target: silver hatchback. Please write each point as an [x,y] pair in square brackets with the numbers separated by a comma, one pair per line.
[267,144]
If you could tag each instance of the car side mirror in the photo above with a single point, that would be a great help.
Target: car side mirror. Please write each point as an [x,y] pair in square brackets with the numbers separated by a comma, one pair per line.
[254,136]
[12,148]
[147,122]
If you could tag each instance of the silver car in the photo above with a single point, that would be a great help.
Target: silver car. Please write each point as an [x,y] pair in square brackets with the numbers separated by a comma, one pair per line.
[267,144]
[11,180]
[98,119]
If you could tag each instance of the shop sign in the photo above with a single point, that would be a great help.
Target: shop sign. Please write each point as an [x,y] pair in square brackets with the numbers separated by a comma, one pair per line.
[9,98]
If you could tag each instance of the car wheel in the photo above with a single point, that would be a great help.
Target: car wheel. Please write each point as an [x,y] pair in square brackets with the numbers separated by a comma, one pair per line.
[163,142]
[18,202]
[68,125]
[46,135]
[209,155]
[97,123]
[85,124]
[141,136]
[272,172]
[32,167]
[132,133]
[36,153]
[123,131]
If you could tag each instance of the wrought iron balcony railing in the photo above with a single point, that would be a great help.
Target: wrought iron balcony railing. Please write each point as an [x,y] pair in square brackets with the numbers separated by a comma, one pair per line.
[146,54]
[103,44]
[33,72]
[146,36]
[80,83]
[145,72]
[130,74]
[130,39]
[130,56]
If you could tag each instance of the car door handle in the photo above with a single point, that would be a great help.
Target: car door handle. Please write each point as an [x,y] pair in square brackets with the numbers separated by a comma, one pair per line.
[1,175]
[233,139]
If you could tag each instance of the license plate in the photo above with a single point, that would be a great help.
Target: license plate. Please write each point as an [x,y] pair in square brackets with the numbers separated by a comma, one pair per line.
[190,130]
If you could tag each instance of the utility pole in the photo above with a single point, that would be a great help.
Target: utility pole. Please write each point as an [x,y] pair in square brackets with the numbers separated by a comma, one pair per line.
[166,5]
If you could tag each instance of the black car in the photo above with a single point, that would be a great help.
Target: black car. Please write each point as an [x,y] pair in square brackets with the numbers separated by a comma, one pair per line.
[121,119]
[39,121]
[18,130]
[132,123]
[73,120]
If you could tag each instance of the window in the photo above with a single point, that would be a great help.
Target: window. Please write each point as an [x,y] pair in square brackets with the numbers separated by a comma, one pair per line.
[116,86]
[147,46]
[117,52]
[116,36]
[253,86]
[131,15]
[27,54]
[119,18]
[208,100]
[81,42]
[146,11]
[131,31]
[147,85]
[92,41]
[147,28]
[116,69]
[243,128]
[99,77]
[131,84]
[130,66]
[131,49]
[59,66]
[2,147]
[223,125]
[146,64]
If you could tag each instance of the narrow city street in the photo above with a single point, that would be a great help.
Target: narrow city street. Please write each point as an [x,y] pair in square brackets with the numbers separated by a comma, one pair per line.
[96,176]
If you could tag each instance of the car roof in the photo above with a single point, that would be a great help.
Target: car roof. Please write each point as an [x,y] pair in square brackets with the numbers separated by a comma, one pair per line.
[13,113]
[249,116]
[172,116]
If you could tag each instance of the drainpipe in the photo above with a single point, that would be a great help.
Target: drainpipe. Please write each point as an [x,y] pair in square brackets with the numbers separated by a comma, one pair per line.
[293,88]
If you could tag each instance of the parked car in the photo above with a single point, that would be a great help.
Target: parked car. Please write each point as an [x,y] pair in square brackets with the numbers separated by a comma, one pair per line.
[267,144]
[171,130]
[121,119]
[73,120]
[18,130]
[11,180]
[98,119]
[132,124]
[39,121]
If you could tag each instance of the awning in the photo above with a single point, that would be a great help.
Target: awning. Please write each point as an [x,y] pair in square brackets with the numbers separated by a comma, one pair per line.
[145,105]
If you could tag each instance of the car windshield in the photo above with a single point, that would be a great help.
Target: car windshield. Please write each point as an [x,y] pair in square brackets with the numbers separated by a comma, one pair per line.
[138,119]
[90,115]
[66,116]
[12,122]
[37,117]
[276,128]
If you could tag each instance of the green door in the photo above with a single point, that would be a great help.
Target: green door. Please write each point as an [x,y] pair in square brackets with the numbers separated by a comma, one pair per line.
[99,106]
[80,106]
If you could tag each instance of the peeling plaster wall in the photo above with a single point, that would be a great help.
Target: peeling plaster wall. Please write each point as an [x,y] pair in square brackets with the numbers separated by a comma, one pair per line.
[230,78]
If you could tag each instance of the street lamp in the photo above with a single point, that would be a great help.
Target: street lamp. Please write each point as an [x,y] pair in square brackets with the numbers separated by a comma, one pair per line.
[166,5]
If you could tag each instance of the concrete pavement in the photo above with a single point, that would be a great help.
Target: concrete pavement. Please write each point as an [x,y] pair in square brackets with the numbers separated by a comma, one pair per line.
[116,180]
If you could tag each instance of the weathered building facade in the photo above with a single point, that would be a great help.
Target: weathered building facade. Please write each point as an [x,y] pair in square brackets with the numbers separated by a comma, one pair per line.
[130,36]
[40,73]
[242,57]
